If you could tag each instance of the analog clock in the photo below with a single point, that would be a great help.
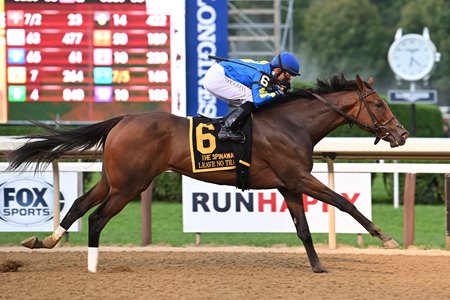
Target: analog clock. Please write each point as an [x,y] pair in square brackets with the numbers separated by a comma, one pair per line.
[412,56]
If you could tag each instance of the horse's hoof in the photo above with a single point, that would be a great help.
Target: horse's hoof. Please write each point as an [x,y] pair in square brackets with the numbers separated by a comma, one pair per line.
[391,244]
[319,269]
[29,242]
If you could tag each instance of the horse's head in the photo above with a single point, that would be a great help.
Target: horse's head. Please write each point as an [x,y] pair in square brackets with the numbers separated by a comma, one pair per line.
[375,115]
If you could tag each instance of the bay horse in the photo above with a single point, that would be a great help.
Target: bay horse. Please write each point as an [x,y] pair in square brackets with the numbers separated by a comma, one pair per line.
[138,147]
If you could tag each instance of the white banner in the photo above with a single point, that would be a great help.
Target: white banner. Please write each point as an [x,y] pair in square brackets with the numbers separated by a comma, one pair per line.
[218,208]
[26,200]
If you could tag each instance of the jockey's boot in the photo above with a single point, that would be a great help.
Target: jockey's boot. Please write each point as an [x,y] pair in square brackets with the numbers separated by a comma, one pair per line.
[230,129]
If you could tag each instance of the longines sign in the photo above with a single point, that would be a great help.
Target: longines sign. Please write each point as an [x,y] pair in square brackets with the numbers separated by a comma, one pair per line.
[407,96]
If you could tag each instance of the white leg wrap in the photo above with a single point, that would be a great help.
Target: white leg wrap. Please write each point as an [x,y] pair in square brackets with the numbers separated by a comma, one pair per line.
[59,232]
[92,259]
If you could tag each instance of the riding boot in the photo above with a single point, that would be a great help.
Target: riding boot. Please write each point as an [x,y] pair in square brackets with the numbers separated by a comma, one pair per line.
[229,130]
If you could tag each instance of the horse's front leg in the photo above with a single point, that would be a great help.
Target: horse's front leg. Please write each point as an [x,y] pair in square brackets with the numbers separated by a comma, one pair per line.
[312,187]
[295,205]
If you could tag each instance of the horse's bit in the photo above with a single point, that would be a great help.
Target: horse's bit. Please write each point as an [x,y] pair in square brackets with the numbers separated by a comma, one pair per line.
[380,130]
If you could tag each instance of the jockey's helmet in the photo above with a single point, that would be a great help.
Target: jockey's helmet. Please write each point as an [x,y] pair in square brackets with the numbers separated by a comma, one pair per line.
[287,62]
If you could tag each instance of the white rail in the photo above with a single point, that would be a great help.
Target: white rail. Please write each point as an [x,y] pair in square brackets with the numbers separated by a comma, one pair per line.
[388,167]
[363,148]
[343,148]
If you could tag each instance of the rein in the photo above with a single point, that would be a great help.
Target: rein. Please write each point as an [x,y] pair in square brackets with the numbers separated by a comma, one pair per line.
[380,130]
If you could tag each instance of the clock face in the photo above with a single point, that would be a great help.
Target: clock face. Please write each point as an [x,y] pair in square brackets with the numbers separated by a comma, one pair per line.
[412,57]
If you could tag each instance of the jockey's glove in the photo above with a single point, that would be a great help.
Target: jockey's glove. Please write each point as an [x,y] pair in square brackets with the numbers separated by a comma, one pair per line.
[285,86]
[276,89]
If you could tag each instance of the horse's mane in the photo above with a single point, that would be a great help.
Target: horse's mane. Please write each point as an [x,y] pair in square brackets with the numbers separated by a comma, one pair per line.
[335,83]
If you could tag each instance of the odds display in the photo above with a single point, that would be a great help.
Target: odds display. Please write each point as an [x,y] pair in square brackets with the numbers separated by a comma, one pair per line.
[87,51]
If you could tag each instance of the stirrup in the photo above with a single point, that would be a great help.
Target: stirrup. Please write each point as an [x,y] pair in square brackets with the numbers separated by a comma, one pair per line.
[226,134]
[241,139]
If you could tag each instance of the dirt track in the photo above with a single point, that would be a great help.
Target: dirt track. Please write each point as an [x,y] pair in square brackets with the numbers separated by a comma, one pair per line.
[224,273]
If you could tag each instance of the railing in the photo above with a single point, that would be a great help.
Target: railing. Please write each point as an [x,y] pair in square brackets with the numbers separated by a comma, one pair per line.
[415,149]
[340,148]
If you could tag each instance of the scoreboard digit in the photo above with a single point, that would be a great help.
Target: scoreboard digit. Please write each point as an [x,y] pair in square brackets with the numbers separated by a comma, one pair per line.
[91,59]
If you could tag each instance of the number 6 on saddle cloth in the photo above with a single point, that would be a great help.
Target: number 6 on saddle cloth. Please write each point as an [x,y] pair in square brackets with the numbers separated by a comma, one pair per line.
[209,154]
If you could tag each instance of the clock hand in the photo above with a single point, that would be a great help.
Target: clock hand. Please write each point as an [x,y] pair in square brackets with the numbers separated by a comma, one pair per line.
[416,62]
[413,61]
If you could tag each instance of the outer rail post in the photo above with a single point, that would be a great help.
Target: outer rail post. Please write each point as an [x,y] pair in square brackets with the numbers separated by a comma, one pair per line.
[447,211]
[408,203]
[331,209]
[146,215]
[56,197]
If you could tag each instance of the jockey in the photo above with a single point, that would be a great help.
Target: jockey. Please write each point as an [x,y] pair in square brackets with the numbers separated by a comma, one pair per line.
[248,84]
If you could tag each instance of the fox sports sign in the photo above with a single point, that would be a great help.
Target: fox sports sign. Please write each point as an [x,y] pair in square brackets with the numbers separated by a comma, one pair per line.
[26,202]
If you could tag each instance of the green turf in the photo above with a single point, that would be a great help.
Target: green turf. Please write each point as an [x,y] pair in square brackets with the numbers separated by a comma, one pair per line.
[125,229]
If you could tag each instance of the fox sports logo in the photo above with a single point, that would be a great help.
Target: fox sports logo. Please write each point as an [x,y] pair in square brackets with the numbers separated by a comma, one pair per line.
[27,202]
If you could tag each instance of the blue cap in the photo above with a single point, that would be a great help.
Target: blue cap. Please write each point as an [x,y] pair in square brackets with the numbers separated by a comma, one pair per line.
[287,62]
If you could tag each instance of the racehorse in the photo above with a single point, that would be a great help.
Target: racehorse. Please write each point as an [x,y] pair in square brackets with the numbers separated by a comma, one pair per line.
[138,147]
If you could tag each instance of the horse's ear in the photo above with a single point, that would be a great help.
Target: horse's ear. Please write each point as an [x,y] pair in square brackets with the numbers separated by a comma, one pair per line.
[370,81]
[359,83]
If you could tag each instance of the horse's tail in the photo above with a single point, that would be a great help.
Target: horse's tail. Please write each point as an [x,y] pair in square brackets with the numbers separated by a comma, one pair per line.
[44,148]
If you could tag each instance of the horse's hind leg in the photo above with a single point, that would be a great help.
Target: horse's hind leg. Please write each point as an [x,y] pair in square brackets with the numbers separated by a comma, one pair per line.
[295,205]
[81,205]
[112,205]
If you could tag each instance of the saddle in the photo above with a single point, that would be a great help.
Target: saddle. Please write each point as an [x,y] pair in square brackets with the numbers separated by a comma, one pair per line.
[209,154]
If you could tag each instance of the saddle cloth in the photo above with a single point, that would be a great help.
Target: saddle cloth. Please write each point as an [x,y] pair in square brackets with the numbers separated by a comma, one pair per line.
[209,154]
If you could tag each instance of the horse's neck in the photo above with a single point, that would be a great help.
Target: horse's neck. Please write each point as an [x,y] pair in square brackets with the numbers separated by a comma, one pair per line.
[315,116]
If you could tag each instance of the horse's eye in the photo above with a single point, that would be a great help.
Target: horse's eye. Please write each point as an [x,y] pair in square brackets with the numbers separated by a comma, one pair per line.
[379,103]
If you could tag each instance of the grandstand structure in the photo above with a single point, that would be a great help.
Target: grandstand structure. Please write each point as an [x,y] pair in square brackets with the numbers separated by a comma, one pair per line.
[259,29]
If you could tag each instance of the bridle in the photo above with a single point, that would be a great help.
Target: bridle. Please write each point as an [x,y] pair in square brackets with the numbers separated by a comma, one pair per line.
[379,129]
